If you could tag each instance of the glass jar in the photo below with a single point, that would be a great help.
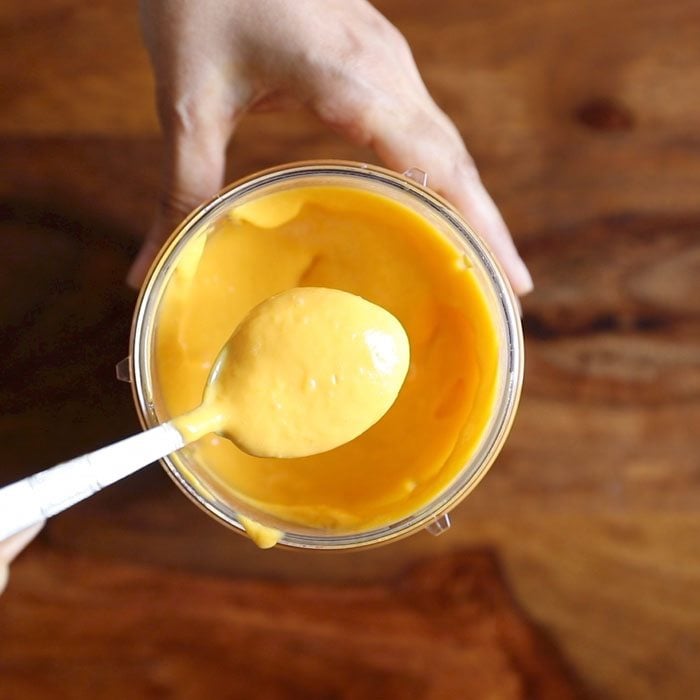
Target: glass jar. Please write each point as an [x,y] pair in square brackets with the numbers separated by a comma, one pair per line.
[409,190]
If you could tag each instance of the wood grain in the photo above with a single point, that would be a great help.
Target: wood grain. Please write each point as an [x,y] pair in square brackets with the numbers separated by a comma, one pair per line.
[447,628]
[585,121]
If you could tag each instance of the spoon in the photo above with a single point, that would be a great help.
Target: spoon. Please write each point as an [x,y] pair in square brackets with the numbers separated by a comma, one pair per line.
[306,371]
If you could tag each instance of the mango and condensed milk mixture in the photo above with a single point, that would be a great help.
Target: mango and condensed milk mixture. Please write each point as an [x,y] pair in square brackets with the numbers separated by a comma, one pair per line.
[364,243]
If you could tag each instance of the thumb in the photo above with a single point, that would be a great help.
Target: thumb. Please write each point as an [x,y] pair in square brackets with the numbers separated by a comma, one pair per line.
[193,171]
[11,547]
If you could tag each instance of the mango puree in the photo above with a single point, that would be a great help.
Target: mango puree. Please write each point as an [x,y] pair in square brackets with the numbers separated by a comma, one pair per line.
[366,244]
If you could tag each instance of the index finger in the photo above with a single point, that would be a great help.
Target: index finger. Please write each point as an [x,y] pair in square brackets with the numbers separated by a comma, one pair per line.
[428,140]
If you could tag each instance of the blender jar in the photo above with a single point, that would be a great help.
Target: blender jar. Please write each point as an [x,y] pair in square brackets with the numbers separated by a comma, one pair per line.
[409,190]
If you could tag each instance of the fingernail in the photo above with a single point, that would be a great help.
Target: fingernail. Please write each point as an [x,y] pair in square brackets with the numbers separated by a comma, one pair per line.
[139,268]
[522,279]
[134,276]
[12,546]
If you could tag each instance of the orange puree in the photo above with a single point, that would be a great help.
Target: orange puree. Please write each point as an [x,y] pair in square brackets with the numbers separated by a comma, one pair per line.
[364,243]
[307,370]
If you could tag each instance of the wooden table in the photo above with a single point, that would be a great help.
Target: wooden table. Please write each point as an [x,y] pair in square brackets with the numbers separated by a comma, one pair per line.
[585,121]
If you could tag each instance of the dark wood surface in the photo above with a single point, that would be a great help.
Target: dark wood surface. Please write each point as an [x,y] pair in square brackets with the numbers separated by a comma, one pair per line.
[585,121]
[444,629]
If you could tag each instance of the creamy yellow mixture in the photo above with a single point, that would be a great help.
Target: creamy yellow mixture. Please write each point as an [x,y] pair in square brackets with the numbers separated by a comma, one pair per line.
[366,244]
[307,370]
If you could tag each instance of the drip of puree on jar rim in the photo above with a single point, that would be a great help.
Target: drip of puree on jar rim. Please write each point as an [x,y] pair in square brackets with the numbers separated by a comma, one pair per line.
[369,245]
[306,371]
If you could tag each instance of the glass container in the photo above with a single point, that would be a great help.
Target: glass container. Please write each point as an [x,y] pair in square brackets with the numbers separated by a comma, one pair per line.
[410,190]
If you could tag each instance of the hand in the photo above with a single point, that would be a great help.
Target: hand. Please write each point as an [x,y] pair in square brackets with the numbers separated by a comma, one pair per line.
[11,547]
[216,60]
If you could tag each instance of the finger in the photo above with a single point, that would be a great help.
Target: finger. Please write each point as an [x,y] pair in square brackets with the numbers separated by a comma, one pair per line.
[11,547]
[193,171]
[428,140]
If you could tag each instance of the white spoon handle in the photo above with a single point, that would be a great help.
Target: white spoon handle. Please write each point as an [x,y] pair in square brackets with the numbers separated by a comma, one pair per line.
[42,495]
